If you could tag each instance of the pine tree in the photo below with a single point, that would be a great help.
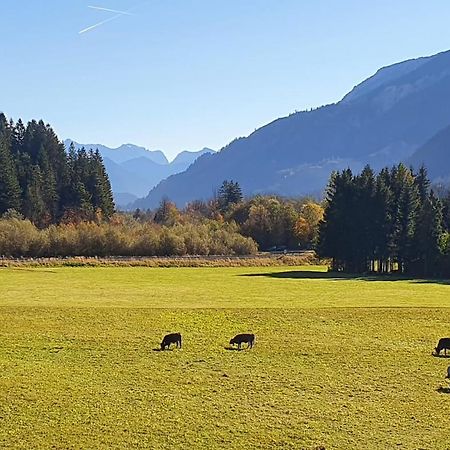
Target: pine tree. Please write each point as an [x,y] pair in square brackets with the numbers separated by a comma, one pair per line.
[9,185]
[102,197]
[33,204]
[383,226]
[229,193]
[337,229]
[428,235]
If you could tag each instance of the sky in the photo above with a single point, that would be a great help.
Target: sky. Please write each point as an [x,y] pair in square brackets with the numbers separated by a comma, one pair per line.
[188,74]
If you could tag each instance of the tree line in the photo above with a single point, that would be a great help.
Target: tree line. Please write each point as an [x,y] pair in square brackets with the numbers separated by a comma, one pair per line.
[122,235]
[45,183]
[385,222]
[273,222]
[58,202]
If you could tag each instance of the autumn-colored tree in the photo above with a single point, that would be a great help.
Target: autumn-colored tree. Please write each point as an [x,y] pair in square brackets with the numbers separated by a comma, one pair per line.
[307,225]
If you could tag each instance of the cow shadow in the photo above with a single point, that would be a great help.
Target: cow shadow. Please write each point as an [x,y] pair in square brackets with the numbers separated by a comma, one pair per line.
[441,356]
[443,390]
[233,349]
[166,350]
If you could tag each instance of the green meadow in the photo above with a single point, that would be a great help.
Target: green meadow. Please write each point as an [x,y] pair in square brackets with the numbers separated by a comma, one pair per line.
[338,362]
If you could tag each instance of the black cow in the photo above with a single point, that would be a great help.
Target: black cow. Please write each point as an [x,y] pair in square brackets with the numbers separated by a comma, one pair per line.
[443,344]
[240,338]
[173,338]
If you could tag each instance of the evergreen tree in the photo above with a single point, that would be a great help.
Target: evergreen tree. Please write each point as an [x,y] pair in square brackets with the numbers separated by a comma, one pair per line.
[336,230]
[407,206]
[44,182]
[383,226]
[229,193]
[33,203]
[428,236]
[9,185]
[100,187]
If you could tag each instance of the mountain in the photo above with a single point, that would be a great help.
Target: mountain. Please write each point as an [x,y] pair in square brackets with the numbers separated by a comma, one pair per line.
[380,122]
[186,158]
[134,171]
[123,153]
[435,155]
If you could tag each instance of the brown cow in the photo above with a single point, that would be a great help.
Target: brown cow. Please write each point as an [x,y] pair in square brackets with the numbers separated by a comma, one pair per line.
[173,338]
[240,338]
[443,344]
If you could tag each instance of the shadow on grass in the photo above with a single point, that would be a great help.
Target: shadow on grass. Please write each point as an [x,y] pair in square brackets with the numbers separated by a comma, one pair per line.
[443,390]
[337,276]
[440,356]
[233,349]
[31,269]
[166,350]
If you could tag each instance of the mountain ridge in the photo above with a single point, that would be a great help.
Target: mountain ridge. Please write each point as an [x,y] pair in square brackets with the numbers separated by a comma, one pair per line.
[382,123]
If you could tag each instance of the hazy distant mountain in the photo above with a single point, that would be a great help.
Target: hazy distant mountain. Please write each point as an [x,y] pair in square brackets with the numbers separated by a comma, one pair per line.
[122,199]
[186,158]
[134,170]
[123,153]
[381,121]
[435,155]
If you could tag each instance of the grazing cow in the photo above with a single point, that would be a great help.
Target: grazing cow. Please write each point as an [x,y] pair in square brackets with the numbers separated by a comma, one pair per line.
[443,344]
[173,338]
[240,338]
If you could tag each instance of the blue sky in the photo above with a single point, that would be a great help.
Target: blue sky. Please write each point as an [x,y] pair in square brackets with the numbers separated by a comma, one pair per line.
[184,74]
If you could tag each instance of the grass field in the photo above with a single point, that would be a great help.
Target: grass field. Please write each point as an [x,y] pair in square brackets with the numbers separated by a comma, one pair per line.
[338,362]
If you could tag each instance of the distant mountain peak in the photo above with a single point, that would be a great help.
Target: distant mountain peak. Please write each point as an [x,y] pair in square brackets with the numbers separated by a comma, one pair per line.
[188,156]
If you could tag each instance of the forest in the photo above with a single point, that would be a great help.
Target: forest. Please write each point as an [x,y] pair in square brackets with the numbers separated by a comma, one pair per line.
[46,184]
[58,202]
[389,222]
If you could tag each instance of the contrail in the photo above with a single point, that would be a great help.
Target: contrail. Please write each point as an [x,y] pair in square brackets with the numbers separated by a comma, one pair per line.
[119,14]
[100,23]
[99,8]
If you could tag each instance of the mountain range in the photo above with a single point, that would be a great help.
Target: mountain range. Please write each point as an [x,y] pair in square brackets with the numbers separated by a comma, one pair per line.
[402,113]
[134,170]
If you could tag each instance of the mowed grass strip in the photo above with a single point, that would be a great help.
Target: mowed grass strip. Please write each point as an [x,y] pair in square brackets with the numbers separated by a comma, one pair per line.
[88,376]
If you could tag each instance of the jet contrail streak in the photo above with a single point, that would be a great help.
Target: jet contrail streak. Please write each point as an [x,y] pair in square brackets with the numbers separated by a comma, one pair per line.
[99,8]
[119,14]
[100,23]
